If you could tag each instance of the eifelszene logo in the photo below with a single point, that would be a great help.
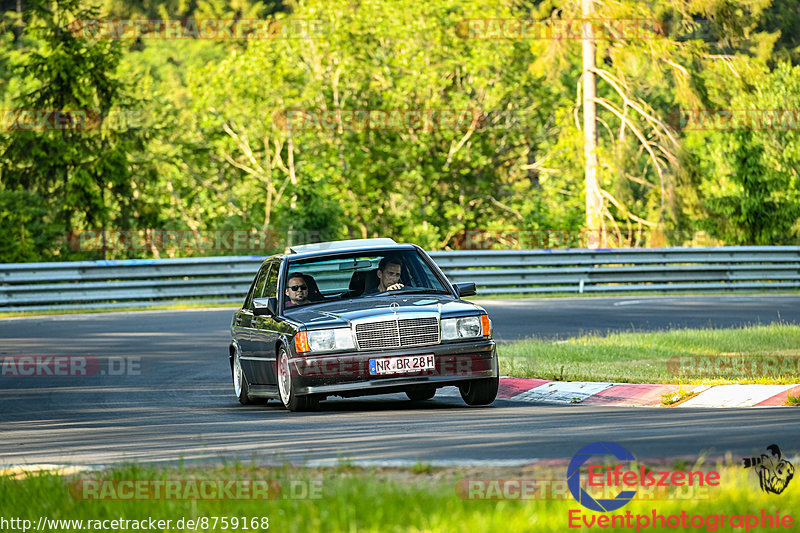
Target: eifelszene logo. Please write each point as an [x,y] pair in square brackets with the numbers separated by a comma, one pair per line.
[609,479]
[774,472]
[574,477]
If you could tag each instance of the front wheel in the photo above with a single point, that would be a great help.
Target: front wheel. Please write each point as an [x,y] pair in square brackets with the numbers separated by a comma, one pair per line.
[240,387]
[480,391]
[290,400]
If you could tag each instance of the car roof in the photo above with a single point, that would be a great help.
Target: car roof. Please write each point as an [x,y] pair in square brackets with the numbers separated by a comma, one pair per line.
[346,247]
[340,245]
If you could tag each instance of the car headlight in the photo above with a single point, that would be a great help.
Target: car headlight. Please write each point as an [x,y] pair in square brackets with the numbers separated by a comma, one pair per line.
[466,327]
[323,340]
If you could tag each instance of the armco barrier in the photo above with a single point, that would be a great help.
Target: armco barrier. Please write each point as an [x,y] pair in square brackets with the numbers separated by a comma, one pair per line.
[25,286]
[728,268]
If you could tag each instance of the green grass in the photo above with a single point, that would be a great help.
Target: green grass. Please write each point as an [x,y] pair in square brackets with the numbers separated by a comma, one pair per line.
[655,357]
[671,398]
[793,400]
[371,500]
[632,294]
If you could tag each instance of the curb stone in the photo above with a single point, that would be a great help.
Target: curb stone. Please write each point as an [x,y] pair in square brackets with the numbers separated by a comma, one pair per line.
[642,395]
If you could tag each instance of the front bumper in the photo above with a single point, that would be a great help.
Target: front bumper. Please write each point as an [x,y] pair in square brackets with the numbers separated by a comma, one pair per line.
[348,373]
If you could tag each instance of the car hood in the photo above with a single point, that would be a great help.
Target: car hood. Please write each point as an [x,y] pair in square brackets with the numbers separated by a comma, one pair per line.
[341,313]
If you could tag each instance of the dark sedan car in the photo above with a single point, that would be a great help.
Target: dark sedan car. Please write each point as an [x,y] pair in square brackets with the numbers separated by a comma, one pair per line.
[352,318]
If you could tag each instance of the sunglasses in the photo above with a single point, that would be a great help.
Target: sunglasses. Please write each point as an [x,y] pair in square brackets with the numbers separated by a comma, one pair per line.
[299,288]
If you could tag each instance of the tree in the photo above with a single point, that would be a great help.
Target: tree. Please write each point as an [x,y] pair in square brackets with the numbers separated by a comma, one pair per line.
[69,162]
[750,180]
[427,183]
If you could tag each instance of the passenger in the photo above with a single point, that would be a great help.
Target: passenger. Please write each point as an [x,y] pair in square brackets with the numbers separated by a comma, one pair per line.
[297,290]
[389,271]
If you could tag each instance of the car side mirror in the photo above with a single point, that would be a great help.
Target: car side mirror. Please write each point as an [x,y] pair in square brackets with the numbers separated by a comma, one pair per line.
[265,306]
[466,289]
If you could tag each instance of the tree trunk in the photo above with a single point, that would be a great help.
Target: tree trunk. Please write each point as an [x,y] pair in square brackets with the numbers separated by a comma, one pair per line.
[593,200]
[20,26]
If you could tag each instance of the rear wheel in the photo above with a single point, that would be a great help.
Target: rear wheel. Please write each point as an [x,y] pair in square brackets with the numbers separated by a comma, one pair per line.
[240,387]
[421,394]
[480,391]
[290,400]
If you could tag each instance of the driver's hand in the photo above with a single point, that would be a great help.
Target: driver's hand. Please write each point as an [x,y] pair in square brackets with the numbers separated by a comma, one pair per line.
[394,287]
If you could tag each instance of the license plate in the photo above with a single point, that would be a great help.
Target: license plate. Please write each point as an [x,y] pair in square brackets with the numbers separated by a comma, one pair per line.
[396,365]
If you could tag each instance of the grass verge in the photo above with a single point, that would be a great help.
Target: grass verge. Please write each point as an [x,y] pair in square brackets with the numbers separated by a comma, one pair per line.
[632,294]
[199,304]
[372,500]
[754,354]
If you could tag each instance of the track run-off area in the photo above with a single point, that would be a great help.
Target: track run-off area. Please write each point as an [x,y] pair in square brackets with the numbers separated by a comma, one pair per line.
[165,395]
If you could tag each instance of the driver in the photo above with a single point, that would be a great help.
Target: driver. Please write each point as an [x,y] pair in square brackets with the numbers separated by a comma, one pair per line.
[389,270]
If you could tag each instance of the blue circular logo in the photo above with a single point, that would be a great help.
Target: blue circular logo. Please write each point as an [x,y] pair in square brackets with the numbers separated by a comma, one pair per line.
[574,476]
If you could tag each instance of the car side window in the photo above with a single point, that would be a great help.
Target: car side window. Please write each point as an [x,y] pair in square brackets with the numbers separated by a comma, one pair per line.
[258,287]
[272,282]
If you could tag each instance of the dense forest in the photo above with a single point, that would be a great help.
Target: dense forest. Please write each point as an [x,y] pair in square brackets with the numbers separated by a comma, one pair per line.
[157,129]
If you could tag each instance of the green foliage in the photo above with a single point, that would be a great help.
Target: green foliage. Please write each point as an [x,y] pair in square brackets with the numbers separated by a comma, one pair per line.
[27,231]
[79,171]
[748,216]
[439,501]
[421,185]
[315,214]
[750,184]
[211,149]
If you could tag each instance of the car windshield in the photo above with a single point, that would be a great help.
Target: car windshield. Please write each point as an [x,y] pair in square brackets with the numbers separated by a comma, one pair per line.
[359,275]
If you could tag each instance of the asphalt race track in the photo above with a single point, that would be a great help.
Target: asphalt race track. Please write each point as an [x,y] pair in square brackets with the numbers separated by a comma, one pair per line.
[174,399]
[570,317]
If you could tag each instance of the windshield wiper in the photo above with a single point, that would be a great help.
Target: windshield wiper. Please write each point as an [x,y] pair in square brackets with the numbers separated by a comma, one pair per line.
[407,290]
[421,290]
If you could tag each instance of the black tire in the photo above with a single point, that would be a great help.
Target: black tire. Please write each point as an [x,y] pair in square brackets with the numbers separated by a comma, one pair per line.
[289,399]
[421,394]
[480,391]
[240,386]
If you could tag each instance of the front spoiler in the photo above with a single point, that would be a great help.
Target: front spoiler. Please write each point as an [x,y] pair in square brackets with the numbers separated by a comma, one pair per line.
[347,374]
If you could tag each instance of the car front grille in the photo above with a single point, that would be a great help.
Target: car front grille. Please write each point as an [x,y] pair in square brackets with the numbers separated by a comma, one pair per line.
[397,333]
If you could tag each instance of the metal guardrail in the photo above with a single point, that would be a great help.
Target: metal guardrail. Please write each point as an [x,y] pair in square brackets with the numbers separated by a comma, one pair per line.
[142,282]
[728,268]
